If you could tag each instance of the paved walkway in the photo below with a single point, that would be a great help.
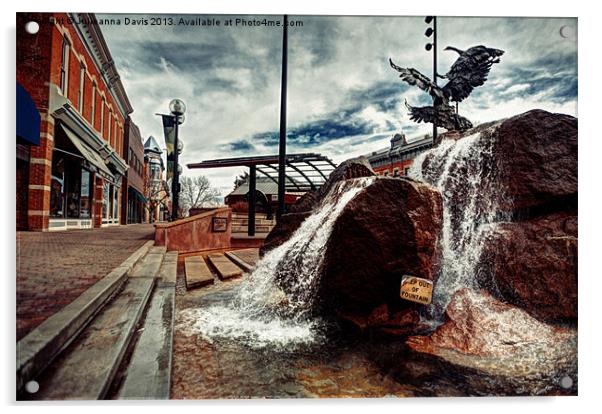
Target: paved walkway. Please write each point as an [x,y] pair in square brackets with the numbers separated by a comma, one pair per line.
[55,268]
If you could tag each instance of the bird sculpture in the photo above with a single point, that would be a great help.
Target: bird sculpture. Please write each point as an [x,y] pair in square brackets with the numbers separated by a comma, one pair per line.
[469,71]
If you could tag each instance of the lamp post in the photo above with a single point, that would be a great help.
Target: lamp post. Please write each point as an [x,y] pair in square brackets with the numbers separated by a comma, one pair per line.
[177,108]
[432,31]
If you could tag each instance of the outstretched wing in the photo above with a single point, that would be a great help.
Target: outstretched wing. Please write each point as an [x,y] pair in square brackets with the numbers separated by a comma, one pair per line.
[424,114]
[469,71]
[415,78]
[443,116]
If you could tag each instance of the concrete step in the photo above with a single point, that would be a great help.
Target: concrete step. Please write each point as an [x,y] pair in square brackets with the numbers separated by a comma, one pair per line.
[148,376]
[197,272]
[85,369]
[225,268]
[150,265]
[258,229]
[244,222]
[41,346]
[244,258]
[168,270]
[261,216]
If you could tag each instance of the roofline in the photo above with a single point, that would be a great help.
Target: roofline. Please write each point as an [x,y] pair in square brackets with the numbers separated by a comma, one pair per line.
[103,59]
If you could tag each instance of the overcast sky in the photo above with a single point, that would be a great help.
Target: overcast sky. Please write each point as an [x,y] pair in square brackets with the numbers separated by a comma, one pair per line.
[343,97]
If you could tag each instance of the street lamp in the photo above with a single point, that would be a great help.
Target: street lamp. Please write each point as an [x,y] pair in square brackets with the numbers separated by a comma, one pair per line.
[177,108]
[432,31]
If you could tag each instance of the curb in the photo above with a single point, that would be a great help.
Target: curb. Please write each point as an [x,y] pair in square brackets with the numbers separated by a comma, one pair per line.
[39,347]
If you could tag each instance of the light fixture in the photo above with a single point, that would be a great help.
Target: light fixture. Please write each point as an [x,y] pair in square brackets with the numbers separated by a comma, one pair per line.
[177,107]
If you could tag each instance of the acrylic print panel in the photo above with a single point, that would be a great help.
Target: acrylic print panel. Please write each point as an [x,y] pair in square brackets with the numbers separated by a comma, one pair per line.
[355,206]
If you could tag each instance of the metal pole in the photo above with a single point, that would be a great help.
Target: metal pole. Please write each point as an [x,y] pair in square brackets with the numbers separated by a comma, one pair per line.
[175,178]
[252,201]
[435,75]
[282,146]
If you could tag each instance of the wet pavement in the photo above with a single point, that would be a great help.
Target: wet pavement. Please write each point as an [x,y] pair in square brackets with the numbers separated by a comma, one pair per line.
[342,365]
[54,268]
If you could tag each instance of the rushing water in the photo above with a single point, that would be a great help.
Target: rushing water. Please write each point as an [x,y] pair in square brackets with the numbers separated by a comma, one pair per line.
[259,313]
[464,171]
[248,338]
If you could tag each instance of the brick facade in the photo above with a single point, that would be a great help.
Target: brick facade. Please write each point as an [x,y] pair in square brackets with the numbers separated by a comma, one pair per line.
[89,94]
[396,160]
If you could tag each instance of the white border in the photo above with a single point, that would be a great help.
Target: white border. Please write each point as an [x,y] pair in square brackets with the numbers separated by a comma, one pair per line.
[589,179]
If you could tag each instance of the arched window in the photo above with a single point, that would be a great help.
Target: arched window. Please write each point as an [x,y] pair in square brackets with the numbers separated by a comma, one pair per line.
[80,95]
[93,110]
[102,116]
[110,125]
[65,66]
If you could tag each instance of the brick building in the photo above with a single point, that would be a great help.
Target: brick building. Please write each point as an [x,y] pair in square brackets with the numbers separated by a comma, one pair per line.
[134,202]
[73,177]
[396,160]
[157,190]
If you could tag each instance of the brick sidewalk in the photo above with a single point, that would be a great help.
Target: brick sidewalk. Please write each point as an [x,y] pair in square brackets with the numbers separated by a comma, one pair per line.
[55,268]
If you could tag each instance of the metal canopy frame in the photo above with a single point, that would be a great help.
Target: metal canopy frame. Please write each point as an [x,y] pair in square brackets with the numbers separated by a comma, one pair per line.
[303,172]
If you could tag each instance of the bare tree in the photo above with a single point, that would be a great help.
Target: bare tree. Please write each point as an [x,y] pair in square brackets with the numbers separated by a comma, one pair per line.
[197,192]
[241,179]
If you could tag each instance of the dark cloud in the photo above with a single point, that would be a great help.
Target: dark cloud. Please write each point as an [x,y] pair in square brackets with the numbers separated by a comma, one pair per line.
[240,146]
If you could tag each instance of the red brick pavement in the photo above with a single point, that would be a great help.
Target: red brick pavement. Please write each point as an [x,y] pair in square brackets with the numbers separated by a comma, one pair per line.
[53,269]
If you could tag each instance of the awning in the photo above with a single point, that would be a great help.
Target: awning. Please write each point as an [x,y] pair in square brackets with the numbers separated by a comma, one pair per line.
[89,154]
[139,196]
[28,117]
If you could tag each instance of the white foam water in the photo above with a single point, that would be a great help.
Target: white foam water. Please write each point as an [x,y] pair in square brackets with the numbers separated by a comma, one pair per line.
[260,313]
[464,172]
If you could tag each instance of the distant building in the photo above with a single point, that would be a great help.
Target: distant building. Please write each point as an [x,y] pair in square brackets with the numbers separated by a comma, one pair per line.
[71,177]
[395,161]
[267,199]
[134,202]
[157,193]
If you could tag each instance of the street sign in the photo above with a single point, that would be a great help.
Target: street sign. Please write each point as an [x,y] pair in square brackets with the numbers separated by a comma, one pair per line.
[416,289]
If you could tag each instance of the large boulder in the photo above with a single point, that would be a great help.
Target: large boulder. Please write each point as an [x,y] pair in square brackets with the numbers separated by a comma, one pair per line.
[388,230]
[478,324]
[536,154]
[534,264]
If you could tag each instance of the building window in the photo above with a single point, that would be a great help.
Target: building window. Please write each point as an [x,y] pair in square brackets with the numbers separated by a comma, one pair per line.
[115,203]
[386,173]
[105,200]
[396,172]
[406,171]
[102,117]
[70,187]
[110,128]
[57,186]
[93,110]
[80,95]
[85,200]
[65,67]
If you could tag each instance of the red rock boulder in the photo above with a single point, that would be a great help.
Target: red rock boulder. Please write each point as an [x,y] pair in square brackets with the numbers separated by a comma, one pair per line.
[536,155]
[534,264]
[388,230]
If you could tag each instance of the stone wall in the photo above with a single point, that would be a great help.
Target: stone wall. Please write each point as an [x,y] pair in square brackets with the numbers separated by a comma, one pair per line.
[195,233]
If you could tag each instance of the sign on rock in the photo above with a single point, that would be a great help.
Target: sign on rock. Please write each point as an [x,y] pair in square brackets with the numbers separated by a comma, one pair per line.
[416,289]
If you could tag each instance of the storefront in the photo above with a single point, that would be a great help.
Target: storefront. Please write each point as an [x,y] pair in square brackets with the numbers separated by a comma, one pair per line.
[76,168]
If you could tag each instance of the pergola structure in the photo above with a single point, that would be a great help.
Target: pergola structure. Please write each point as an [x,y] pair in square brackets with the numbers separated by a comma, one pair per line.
[303,172]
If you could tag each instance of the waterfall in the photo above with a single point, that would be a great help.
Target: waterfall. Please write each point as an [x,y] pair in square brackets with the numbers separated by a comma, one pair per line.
[464,171]
[259,313]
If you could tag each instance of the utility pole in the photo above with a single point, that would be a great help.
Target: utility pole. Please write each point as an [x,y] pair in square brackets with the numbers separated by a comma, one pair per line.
[282,144]
[432,31]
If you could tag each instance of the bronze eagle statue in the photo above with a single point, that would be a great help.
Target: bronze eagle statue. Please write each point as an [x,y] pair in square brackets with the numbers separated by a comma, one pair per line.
[469,71]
